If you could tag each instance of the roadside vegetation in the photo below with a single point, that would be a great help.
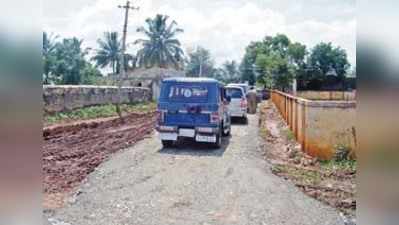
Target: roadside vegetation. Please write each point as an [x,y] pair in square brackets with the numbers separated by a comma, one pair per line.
[95,112]
[272,62]
[330,181]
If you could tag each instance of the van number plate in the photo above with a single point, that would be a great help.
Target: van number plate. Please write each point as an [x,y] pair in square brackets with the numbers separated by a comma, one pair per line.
[186,132]
[211,139]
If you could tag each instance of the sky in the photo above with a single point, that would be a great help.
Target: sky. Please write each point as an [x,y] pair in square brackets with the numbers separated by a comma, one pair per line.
[225,27]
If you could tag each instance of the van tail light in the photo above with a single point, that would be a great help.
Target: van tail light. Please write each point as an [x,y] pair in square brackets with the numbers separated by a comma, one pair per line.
[214,117]
[160,116]
[243,103]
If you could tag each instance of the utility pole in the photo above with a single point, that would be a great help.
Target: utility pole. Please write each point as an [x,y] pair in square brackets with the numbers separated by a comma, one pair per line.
[122,71]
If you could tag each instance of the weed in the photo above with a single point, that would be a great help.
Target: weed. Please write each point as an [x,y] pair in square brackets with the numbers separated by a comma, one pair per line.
[94,112]
[289,134]
[263,131]
[300,175]
[276,169]
[343,165]
[342,152]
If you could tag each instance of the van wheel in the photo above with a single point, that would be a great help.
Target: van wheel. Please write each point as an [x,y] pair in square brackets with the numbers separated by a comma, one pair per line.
[227,133]
[167,144]
[218,142]
[245,120]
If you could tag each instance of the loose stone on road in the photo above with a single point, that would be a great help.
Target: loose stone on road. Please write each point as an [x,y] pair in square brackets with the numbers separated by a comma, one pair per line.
[192,185]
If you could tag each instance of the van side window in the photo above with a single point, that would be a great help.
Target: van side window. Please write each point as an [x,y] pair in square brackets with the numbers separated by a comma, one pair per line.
[222,97]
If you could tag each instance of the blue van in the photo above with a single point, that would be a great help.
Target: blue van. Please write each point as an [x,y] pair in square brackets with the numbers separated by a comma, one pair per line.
[194,108]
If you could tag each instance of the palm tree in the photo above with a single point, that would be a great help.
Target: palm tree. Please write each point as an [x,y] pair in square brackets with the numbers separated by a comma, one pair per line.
[109,52]
[232,72]
[161,48]
[48,49]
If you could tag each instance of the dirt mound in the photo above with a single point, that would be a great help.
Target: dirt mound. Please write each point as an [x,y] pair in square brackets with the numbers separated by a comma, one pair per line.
[71,152]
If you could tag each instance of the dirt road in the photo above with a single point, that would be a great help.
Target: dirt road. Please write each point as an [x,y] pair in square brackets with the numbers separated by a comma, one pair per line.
[148,185]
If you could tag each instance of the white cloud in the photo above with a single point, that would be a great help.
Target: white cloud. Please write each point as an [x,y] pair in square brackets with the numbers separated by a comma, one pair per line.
[223,26]
[341,33]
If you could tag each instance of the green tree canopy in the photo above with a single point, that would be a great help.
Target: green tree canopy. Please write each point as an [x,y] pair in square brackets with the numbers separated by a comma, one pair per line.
[108,53]
[325,59]
[247,66]
[48,57]
[199,63]
[70,60]
[232,73]
[276,60]
[90,74]
[64,62]
[161,48]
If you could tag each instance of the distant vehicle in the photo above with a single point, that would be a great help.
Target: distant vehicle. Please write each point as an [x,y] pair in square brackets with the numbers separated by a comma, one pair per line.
[194,108]
[243,85]
[238,106]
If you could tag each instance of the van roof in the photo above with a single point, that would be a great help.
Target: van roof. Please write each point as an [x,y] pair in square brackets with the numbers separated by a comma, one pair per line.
[235,87]
[237,84]
[191,79]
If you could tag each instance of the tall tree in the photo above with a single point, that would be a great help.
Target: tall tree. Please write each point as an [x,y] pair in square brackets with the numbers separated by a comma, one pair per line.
[161,48]
[199,63]
[247,70]
[220,74]
[231,71]
[274,61]
[48,57]
[109,51]
[297,53]
[89,74]
[70,60]
[277,72]
[325,59]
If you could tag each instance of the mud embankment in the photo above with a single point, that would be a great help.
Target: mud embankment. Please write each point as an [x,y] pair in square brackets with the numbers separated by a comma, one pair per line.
[72,151]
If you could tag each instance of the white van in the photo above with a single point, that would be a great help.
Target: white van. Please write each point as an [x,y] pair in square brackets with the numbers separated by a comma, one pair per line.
[238,102]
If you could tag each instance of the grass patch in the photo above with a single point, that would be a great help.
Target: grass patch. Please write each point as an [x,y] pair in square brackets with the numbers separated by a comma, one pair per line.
[263,132]
[289,134]
[343,165]
[300,175]
[94,112]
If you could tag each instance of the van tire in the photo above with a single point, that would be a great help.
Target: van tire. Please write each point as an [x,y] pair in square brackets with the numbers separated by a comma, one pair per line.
[225,134]
[245,120]
[167,143]
[218,143]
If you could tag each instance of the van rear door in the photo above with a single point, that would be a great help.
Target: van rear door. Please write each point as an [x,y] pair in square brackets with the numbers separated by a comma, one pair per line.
[188,104]
[236,95]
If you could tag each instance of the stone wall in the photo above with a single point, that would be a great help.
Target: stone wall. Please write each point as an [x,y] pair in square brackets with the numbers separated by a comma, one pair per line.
[148,77]
[58,98]
[319,126]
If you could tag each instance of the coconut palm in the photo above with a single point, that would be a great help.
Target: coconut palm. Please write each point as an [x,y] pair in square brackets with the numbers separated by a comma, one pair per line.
[48,49]
[109,52]
[161,48]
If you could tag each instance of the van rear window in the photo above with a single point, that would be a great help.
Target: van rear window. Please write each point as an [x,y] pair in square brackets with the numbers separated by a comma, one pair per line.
[234,92]
[182,92]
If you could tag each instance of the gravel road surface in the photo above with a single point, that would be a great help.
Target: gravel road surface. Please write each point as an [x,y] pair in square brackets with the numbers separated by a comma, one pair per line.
[192,185]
